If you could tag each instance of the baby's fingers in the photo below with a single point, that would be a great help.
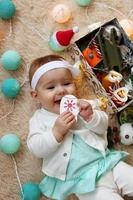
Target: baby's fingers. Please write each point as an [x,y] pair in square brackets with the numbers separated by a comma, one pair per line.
[70,123]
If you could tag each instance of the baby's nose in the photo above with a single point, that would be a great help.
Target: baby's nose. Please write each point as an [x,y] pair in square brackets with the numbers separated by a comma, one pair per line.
[61,89]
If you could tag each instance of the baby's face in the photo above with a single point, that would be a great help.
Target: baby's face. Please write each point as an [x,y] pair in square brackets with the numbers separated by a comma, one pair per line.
[52,86]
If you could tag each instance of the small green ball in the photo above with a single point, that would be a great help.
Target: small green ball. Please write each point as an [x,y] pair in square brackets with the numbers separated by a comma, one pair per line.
[83,2]
[7,9]
[31,191]
[10,87]
[10,143]
[11,60]
[91,55]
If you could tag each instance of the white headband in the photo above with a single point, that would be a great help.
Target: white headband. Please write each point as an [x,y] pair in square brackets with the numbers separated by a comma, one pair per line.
[49,66]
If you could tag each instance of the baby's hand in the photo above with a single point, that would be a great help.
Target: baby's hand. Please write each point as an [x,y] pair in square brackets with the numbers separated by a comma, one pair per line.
[85,110]
[62,125]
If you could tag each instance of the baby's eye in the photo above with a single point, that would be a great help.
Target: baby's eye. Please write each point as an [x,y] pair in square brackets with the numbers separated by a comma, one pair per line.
[68,83]
[50,88]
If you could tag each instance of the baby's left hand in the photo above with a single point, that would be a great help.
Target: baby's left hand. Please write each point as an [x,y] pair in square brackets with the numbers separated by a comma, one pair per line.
[85,110]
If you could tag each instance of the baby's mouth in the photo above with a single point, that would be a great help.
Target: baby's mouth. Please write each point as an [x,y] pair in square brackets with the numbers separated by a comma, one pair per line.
[58,101]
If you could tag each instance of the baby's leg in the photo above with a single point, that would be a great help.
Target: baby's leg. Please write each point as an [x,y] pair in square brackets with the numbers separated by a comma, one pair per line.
[106,189]
[123,177]
[101,194]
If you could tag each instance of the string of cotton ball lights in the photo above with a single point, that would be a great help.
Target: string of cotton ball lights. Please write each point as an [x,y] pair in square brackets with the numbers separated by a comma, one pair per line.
[10,60]
[10,87]
[10,144]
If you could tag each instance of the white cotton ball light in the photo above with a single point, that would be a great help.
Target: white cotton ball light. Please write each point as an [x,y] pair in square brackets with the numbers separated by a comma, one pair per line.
[61,13]
[126,134]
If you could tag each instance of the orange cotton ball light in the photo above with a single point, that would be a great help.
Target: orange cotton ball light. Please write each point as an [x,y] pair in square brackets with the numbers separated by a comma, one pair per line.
[61,13]
[2,36]
[127,25]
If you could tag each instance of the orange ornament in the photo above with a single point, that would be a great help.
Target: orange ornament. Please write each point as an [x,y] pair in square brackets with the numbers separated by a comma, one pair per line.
[91,56]
[110,79]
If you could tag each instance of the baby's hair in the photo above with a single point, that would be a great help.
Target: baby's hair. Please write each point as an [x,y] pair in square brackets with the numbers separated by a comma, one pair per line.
[40,61]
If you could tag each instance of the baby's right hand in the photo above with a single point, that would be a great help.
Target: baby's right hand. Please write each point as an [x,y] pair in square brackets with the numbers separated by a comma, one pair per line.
[62,125]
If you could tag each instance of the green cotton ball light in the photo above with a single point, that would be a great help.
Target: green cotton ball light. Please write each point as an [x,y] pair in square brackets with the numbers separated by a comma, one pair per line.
[11,60]
[60,40]
[7,9]
[83,2]
[54,46]
[10,87]
[31,191]
[9,144]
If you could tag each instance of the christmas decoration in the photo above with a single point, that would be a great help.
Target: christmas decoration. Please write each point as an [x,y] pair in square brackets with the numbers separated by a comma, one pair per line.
[126,115]
[126,134]
[61,13]
[31,191]
[10,87]
[110,79]
[7,9]
[83,2]
[61,39]
[11,60]
[9,144]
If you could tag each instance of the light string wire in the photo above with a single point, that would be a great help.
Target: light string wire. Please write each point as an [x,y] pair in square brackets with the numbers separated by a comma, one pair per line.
[33,29]
[103,5]
[130,13]
[11,111]
[10,31]
[17,175]
[26,74]
[21,85]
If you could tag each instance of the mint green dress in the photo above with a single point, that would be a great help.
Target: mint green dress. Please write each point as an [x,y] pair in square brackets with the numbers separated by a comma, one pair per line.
[85,168]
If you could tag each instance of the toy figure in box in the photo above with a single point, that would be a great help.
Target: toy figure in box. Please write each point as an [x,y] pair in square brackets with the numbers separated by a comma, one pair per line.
[109,40]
